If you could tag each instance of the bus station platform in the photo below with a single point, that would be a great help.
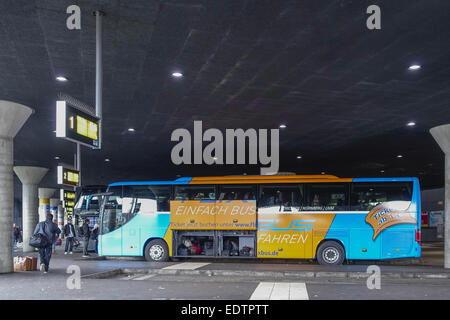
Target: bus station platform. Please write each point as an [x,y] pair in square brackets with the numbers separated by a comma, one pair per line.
[430,266]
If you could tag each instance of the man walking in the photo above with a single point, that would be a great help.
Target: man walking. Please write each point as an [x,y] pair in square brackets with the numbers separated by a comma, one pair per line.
[69,234]
[86,236]
[50,230]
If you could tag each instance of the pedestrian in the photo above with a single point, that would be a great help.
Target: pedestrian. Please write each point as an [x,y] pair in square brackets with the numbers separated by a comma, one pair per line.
[69,234]
[54,242]
[51,231]
[86,235]
[16,233]
[95,236]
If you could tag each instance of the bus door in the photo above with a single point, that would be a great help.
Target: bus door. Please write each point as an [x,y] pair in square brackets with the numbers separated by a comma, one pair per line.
[110,238]
[131,204]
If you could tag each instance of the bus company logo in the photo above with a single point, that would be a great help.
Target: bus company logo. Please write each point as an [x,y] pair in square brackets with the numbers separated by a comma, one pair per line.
[388,214]
[213,153]
[268,253]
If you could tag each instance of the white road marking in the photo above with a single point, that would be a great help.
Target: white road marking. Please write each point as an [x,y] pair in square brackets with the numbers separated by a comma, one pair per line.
[262,291]
[297,291]
[187,266]
[280,291]
[145,277]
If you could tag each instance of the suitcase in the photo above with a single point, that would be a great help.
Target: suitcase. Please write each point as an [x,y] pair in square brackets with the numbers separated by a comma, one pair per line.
[58,241]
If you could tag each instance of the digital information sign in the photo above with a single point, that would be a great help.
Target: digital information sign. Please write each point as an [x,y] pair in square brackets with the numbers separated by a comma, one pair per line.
[68,201]
[68,177]
[76,125]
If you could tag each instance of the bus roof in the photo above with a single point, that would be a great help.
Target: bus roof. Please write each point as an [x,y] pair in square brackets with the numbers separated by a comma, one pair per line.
[258,179]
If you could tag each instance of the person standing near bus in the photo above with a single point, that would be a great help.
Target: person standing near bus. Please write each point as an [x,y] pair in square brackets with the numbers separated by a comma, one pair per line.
[51,231]
[86,235]
[95,236]
[69,234]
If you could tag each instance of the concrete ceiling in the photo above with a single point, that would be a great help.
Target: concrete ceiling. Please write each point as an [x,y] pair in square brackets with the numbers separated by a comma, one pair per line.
[344,92]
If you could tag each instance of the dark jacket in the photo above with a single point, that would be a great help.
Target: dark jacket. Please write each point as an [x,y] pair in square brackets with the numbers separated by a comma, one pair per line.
[94,235]
[67,229]
[86,231]
[49,229]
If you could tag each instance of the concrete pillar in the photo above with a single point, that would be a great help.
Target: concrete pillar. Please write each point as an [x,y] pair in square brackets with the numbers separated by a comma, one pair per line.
[30,178]
[442,136]
[12,117]
[60,216]
[44,202]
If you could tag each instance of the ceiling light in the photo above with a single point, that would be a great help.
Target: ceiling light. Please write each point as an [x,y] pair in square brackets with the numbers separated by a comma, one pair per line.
[131,129]
[177,74]
[414,67]
[399,156]
[322,172]
[382,171]
[282,126]
[61,78]
[299,157]
[107,160]
[411,124]
[57,158]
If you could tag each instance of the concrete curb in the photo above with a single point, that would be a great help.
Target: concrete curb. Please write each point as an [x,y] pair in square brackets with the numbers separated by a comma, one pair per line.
[269,274]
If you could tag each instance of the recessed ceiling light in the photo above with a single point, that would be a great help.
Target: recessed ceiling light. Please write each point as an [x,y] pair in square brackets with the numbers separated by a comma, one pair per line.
[399,156]
[131,129]
[177,74]
[299,157]
[382,171]
[414,67]
[282,126]
[57,158]
[411,124]
[107,160]
[61,78]
[322,172]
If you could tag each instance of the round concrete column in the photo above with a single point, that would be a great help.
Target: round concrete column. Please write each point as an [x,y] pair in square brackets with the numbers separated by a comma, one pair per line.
[44,202]
[30,178]
[60,216]
[12,118]
[442,136]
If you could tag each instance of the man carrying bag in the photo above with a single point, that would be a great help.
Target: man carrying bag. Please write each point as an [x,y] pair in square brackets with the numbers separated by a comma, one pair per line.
[45,234]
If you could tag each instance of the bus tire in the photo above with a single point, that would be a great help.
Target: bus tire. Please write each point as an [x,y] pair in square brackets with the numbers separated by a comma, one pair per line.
[156,250]
[330,253]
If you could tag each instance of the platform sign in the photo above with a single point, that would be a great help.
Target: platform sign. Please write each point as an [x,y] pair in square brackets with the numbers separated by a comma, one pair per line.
[68,201]
[76,125]
[68,177]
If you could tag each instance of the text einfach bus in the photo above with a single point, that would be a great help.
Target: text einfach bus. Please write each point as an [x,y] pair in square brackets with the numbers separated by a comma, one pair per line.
[320,217]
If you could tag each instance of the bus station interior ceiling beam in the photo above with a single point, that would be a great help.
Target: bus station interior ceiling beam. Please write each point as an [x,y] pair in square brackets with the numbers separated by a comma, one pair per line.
[442,136]
[30,177]
[12,117]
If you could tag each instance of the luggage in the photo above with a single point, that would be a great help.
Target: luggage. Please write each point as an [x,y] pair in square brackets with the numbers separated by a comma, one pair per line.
[25,263]
[39,241]
[58,242]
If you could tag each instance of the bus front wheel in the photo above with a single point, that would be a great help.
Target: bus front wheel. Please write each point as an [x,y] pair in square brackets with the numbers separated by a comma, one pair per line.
[156,250]
[330,253]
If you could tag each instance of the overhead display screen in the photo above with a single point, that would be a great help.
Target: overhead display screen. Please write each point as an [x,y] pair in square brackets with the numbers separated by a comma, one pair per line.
[68,201]
[68,177]
[76,125]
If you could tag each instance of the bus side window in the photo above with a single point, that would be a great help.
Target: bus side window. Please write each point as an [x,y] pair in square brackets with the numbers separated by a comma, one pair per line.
[195,192]
[237,192]
[327,197]
[367,195]
[282,197]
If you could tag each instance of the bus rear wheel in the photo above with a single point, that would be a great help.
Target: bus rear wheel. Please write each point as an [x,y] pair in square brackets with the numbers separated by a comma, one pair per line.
[330,253]
[156,250]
